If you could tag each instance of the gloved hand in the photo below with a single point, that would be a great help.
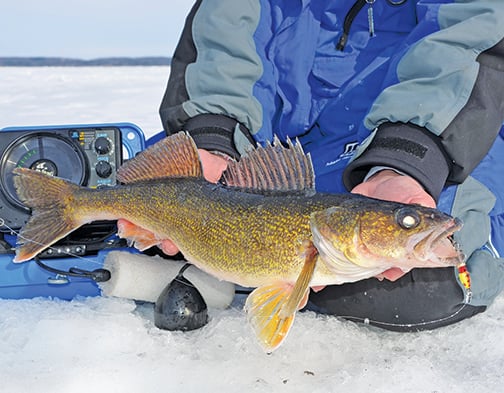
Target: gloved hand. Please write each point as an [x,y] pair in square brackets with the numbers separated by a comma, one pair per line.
[213,167]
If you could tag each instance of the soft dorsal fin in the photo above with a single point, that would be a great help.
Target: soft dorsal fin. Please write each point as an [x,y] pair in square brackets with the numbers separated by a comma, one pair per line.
[173,156]
[272,168]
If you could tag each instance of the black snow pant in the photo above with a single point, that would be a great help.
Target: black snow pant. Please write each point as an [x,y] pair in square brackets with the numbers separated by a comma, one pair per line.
[423,299]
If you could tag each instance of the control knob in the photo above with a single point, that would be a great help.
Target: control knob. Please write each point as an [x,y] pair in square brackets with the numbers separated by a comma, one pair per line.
[103,169]
[102,145]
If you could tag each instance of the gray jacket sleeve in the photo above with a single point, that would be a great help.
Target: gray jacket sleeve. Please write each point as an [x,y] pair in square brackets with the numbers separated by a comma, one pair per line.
[213,68]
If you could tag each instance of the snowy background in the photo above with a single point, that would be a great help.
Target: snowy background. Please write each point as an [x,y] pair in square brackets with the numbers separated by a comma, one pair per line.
[111,344]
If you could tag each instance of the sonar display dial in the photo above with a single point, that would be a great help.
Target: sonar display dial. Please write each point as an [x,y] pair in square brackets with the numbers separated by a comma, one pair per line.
[44,152]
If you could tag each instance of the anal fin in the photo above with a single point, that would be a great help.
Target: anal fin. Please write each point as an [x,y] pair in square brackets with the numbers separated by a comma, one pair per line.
[271,308]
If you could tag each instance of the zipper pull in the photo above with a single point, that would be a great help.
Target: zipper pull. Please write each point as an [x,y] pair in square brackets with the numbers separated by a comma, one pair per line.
[370,17]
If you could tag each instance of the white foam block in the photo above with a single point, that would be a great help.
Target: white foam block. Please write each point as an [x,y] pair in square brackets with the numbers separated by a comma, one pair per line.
[142,277]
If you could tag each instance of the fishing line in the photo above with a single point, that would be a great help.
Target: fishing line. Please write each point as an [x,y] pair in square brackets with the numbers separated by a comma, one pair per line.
[465,280]
[368,321]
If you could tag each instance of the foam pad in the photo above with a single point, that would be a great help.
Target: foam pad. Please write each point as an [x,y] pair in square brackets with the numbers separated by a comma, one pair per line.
[142,277]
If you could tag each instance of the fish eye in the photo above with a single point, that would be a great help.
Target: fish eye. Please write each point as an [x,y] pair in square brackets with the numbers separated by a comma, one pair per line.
[407,218]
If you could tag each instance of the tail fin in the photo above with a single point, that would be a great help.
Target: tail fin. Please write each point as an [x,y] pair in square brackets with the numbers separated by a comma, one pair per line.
[50,200]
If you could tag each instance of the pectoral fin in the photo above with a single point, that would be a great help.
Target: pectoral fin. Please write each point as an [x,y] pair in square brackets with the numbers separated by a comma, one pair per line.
[271,308]
[136,236]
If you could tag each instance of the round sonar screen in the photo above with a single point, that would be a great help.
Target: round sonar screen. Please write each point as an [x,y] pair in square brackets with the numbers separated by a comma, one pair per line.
[42,152]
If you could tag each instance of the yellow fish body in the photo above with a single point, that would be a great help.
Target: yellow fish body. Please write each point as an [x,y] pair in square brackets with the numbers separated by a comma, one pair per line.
[265,228]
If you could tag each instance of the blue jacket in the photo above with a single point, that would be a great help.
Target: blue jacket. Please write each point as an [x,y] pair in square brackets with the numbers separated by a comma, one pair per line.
[417,85]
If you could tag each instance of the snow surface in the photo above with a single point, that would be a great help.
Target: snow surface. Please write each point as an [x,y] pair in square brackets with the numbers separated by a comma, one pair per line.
[111,345]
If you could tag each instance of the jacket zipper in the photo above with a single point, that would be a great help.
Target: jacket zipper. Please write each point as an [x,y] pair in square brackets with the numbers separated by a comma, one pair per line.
[349,18]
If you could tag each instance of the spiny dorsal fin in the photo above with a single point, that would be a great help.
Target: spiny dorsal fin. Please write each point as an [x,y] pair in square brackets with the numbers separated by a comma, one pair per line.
[272,168]
[173,156]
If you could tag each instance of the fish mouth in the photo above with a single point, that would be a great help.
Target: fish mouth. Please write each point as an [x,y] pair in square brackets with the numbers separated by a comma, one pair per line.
[439,247]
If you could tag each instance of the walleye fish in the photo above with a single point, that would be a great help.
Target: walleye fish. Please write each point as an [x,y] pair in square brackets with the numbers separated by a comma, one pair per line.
[265,227]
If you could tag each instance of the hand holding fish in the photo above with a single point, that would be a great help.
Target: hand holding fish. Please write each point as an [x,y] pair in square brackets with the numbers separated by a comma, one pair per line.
[389,185]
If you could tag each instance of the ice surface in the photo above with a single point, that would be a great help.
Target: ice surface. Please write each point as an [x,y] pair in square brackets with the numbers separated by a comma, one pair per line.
[112,345]
[68,95]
